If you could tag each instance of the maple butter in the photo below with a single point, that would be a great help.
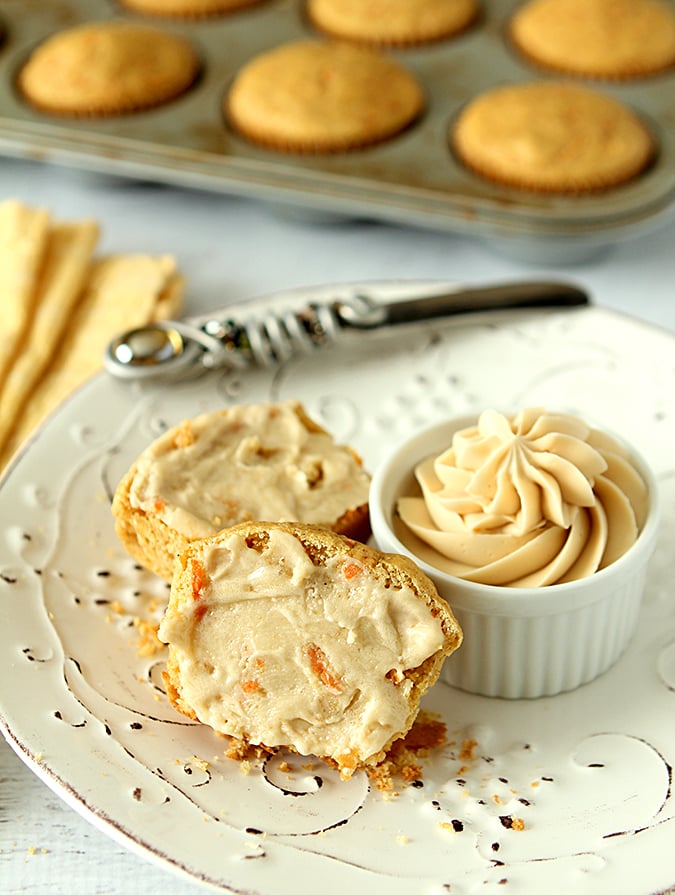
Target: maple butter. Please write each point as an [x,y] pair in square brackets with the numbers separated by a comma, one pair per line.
[536,499]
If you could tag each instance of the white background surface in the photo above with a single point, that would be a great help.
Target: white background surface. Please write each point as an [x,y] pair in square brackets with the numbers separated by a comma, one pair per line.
[229,249]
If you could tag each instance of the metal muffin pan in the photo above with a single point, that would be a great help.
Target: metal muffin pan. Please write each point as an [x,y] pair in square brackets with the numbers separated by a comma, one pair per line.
[412,179]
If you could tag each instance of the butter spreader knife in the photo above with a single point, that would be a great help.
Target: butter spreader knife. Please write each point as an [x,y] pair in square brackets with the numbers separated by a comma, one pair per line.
[173,348]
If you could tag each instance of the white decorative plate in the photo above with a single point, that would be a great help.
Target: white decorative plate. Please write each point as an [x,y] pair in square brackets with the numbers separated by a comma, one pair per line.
[588,773]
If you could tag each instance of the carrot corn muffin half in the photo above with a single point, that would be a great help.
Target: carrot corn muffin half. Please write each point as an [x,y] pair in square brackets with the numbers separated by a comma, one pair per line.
[291,636]
[255,462]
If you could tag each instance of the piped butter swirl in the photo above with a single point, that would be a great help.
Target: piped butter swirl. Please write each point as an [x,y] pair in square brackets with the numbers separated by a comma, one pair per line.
[531,500]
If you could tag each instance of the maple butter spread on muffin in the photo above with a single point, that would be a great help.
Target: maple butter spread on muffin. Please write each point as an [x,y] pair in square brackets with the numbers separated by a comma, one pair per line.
[289,635]
[107,68]
[321,97]
[249,462]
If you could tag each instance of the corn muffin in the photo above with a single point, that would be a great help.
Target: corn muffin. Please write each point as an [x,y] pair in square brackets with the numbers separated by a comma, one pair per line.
[107,68]
[612,39]
[188,9]
[287,635]
[551,137]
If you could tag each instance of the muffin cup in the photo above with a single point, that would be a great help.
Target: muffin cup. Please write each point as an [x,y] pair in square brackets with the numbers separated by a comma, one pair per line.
[522,641]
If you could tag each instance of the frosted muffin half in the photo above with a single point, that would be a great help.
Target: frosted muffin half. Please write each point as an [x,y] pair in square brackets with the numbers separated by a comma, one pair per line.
[284,635]
[249,462]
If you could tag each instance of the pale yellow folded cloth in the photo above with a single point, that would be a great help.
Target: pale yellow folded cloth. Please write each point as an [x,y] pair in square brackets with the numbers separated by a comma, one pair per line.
[60,306]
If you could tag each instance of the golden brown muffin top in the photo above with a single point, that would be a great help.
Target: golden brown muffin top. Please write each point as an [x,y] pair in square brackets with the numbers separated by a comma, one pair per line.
[188,9]
[392,22]
[315,96]
[597,38]
[107,68]
[552,137]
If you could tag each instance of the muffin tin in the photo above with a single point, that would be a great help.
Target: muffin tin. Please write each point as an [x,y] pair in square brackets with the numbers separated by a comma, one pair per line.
[412,179]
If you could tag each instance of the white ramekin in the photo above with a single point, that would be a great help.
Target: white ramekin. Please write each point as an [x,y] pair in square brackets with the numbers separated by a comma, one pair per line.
[522,642]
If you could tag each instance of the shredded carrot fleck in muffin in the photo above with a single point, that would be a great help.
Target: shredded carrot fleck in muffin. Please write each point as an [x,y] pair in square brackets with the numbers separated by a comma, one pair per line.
[321,667]
[184,436]
[199,579]
[200,610]
[351,570]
